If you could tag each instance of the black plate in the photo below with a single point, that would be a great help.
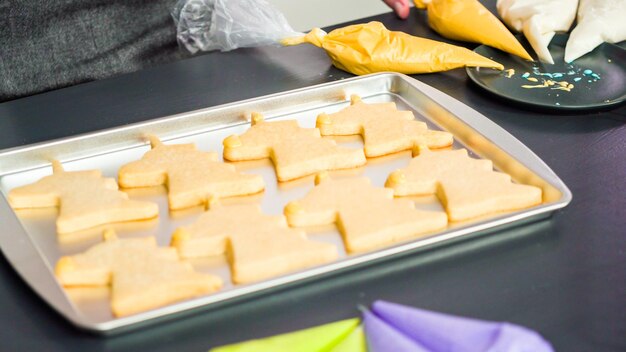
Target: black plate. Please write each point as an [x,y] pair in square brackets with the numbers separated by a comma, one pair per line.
[608,61]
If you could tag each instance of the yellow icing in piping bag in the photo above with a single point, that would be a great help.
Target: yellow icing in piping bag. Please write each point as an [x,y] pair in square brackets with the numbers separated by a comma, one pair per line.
[470,21]
[368,48]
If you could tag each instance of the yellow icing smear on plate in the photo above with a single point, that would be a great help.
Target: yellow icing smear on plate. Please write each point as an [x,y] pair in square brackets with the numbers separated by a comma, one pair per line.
[562,85]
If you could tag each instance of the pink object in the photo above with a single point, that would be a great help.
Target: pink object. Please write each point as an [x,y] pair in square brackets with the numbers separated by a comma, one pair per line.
[400,7]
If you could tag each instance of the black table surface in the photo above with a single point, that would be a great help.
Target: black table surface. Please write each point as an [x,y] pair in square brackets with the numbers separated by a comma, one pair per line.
[564,277]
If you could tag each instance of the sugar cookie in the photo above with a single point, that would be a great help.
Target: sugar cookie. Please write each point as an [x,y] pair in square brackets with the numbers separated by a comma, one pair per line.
[192,176]
[467,187]
[384,129]
[295,151]
[258,246]
[142,276]
[368,217]
[85,199]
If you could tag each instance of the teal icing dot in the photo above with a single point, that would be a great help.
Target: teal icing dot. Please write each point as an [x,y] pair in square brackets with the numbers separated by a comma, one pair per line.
[577,79]
[587,72]
[526,75]
[557,75]
[595,75]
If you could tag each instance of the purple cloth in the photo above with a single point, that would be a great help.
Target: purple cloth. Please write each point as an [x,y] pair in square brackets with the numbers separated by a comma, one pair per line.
[439,332]
[381,337]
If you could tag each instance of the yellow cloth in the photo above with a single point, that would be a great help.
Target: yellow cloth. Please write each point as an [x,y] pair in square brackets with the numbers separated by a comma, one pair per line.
[368,48]
[470,21]
[355,342]
[344,335]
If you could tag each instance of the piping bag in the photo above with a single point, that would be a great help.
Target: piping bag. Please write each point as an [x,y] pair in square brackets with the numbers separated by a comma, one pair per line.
[394,327]
[598,21]
[367,48]
[470,21]
[205,25]
[538,20]
[340,336]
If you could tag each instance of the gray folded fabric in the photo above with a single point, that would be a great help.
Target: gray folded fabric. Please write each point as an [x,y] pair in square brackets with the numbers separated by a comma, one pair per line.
[51,44]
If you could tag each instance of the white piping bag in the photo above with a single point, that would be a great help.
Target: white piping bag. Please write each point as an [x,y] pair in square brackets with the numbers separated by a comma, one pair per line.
[599,21]
[539,20]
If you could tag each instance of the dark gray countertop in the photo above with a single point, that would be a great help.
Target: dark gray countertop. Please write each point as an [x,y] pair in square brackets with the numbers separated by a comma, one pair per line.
[564,277]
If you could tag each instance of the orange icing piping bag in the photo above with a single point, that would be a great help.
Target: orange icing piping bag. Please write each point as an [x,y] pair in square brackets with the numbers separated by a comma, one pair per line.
[470,21]
[368,48]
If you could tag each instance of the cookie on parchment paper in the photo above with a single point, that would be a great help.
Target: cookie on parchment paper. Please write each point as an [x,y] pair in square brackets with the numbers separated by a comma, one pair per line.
[192,176]
[258,246]
[466,187]
[142,275]
[367,217]
[384,129]
[295,151]
[85,199]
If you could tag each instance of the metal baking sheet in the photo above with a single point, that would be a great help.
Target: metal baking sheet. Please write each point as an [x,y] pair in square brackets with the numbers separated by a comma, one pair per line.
[30,243]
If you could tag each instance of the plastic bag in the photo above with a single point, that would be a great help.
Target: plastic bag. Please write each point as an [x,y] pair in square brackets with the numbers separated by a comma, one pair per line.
[204,25]
[366,48]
